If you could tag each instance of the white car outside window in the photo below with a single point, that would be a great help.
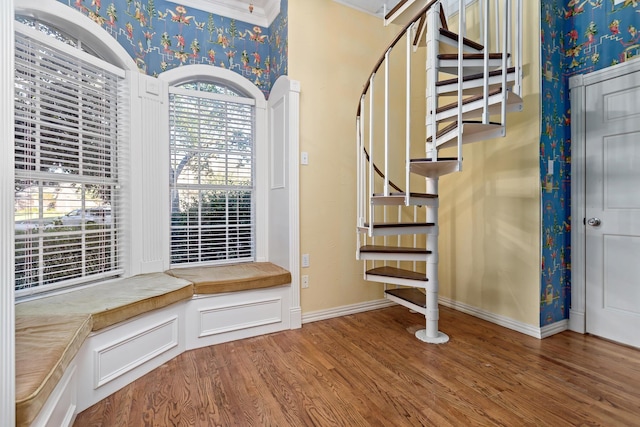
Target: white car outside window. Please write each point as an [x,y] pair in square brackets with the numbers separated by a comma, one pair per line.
[88,216]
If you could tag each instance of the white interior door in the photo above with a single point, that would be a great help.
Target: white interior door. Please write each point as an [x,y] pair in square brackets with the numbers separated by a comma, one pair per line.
[613,209]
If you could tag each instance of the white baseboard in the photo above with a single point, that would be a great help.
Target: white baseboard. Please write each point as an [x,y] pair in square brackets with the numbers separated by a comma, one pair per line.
[296,318]
[503,321]
[554,328]
[345,310]
[577,321]
[497,319]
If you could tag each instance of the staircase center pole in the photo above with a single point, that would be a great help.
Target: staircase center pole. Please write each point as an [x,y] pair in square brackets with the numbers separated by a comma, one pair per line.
[431,334]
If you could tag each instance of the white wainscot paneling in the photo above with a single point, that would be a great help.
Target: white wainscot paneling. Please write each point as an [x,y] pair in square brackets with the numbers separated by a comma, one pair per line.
[60,408]
[226,317]
[126,354]
[116,356]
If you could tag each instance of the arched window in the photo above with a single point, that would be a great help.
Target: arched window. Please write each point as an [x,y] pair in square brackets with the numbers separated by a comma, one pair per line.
[218,167]
[69,139]
[212,175]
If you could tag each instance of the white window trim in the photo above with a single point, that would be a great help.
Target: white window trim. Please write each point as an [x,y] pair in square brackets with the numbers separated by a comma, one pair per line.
[74,22]
[53,47]
[7,260]
[188,73]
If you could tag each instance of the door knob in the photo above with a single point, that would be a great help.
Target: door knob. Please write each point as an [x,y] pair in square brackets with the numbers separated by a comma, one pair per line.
[594,222]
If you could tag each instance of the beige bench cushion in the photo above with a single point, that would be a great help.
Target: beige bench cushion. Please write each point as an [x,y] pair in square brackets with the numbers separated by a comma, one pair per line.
[114,302]
[45,346]
[233,278]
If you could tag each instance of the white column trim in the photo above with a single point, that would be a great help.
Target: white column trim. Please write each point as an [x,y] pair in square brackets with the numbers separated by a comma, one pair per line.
[294,201]
[578,138]
[7,189]
[285,195]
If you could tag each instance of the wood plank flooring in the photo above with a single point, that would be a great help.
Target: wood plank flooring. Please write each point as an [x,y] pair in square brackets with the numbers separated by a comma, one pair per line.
[369,370]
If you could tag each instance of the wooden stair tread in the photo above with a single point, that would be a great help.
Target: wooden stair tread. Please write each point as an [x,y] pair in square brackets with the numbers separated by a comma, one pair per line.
[455,37]
[454,125]
[468,100]
[401,224]
[407,11]
[448,128]
[419,31]
[449,56]
[394,249]
[431,169]
[412,295]
[476,76]
[412,194]
[395,9]
[440,159]
[387,271]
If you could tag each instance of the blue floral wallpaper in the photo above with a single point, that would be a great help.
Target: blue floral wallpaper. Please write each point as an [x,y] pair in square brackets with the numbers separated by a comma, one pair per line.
[577,36]
[160,35]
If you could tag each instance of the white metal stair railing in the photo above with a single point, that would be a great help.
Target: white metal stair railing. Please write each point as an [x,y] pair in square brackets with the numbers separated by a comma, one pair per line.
[397,230]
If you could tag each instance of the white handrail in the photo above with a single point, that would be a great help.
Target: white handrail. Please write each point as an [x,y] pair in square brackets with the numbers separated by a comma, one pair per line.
[386,122]
[485,84]
[358,177]
[497,9]
[408,120]
[518,82]
[432,77]
[461,36]
[505,54]
[361,166]
[371,164]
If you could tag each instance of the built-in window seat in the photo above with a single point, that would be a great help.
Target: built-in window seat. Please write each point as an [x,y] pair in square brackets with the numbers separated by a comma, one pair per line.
[76,348]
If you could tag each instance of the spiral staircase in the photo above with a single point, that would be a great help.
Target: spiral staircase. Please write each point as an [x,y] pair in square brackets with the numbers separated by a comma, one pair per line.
[470,87]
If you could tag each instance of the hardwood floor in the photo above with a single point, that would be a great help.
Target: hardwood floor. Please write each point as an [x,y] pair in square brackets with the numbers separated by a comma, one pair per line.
[369,370]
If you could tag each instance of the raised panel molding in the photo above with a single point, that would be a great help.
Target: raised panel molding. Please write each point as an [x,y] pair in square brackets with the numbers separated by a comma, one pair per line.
[153,148]
[122,356]
[278,144]
[214,319]
[234,317]
[60,409]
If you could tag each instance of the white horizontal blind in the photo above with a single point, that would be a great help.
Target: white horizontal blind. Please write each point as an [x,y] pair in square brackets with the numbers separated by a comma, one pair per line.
[212,174]
[67,180]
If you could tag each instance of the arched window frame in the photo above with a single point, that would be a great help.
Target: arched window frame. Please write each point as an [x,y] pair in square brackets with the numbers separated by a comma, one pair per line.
[207,73]
[77,26]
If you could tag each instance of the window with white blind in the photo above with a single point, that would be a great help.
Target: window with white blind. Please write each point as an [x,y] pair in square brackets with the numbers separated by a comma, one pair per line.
[212,174]
[68,132]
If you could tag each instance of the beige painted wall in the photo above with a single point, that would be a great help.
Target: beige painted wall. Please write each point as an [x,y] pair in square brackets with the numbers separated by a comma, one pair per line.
[331,51]
[489,213]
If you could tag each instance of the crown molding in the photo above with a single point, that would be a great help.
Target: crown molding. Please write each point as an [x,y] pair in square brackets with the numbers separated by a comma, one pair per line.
[262,16]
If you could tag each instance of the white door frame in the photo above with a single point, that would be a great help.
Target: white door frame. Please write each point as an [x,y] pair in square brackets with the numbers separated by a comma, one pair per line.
[578,87]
